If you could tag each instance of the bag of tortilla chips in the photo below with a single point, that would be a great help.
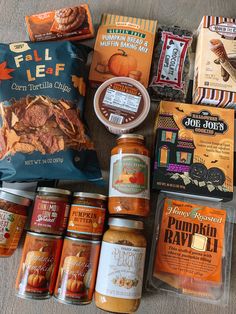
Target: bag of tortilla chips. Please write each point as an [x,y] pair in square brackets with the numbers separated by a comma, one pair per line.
[42,134]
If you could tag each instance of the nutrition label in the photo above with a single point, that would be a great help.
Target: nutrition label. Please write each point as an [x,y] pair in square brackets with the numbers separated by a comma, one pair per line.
[122,100]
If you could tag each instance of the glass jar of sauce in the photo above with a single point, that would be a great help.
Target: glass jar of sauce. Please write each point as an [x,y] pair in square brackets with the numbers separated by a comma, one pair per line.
[129,186]
[51,211]
[121,265]
[87,215]
[13,215]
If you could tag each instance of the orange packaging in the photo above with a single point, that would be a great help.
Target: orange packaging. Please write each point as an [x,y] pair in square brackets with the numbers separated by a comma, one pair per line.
[194,151]
[124,47]
[77,271]
[71,23]
[215,63]
[39,265]
[87,214]
[129,187]
[13,216]
[189,251]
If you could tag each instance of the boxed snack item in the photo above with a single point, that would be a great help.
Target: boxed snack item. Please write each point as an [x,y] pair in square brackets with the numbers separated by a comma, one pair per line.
[191,249]
[74,23]
[42,132]
[215,63]
[123,47]
[194,150]
[171,64]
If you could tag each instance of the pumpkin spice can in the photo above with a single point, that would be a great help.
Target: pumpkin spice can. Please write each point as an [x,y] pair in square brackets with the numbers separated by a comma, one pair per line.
[87,215]
[77,271]
[39,265]
[51,210]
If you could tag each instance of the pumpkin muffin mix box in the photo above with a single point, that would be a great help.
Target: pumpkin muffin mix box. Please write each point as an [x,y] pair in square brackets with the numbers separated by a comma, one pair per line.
[194,150]
[215,63]
[124,47]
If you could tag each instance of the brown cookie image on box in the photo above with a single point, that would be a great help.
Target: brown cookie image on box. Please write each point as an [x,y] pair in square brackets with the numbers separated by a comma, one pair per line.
[216,176]
[198,171]
[40,123]
[69,19]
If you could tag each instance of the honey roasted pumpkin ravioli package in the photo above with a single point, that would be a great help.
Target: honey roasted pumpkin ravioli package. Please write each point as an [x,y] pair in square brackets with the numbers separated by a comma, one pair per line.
[191,250]
[42,134]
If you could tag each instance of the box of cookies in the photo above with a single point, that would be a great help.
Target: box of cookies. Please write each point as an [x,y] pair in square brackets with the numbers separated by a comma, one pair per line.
[194,150]
[71,23]
[215,63]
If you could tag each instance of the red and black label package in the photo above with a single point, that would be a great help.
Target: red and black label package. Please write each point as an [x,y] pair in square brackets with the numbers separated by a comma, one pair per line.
[42,134]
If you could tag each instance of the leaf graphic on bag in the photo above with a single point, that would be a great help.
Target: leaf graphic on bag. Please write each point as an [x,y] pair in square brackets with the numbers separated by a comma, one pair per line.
[79,83]
[4,71]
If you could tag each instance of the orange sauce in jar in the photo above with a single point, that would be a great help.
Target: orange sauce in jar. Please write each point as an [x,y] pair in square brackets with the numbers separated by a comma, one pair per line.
[13,215]
[121,266]
[129,187]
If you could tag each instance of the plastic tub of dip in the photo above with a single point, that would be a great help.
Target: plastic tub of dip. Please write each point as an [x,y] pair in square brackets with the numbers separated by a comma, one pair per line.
[121,104]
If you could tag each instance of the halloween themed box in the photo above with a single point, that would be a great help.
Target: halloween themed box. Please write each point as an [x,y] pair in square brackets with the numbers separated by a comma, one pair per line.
[194,150]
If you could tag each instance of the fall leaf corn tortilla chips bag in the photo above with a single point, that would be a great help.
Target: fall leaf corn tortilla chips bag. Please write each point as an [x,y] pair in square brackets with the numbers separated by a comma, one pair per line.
[42,133]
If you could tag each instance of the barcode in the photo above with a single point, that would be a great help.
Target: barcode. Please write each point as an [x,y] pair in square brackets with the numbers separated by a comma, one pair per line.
[114,118]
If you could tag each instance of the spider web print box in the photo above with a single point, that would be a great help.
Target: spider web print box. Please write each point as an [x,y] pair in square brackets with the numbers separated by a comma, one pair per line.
[194,150]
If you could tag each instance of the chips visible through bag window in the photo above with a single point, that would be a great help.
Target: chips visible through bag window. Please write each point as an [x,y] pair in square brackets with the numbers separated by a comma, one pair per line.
[42,134]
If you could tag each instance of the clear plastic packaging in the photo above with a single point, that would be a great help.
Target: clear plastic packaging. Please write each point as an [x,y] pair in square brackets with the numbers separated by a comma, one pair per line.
[191,249]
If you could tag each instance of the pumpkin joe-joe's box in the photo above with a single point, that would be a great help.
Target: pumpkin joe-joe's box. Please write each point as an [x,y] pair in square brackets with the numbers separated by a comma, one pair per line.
[194,150]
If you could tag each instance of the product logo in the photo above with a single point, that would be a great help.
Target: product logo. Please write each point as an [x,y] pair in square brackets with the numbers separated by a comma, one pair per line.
[226,30]
[128,24]
[205,123]
[130,175]
[170,66]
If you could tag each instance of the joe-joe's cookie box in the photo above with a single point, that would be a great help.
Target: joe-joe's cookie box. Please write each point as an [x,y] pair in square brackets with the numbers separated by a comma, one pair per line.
[194,150]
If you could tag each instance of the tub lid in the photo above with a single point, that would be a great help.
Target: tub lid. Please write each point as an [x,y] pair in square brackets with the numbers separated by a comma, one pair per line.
[121,103]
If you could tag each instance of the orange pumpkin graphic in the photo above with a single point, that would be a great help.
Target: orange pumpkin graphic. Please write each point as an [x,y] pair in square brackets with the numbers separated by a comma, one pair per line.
[120,63]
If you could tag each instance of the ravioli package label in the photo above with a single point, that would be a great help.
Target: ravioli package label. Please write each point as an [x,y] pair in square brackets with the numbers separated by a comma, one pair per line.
[42,134]
[190,245]
[194,150]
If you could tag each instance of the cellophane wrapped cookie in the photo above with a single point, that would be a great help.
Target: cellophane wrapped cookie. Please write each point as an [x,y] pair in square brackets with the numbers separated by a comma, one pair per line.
[191,249]
[42,133]
[170,70]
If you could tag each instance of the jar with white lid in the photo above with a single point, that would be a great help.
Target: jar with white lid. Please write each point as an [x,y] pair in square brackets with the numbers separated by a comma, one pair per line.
[121,266]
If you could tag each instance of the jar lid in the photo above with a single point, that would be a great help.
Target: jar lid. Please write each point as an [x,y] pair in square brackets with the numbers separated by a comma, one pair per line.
[90,195]
[44,235]
[137,136]
[128,223]
[53,190]
[14,198]
[82,240]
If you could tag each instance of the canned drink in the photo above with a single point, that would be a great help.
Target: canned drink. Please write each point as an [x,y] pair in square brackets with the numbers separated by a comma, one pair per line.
[77,271]
[39,265]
